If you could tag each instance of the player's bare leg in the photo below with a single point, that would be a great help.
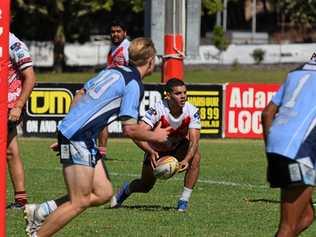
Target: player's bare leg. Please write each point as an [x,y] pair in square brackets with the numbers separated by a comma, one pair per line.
[307,218]
[294,202]
[16,171]
[190,179]
[87,187]
[145,183]
[142,185]
[192,174]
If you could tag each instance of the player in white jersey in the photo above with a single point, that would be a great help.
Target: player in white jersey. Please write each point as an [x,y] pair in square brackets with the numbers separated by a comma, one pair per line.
[20,84]
[118,54]
[183,143]
[113,94]
[290,136]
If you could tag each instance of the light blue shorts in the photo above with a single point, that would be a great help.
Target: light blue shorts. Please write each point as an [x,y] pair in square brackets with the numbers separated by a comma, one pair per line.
[78,152]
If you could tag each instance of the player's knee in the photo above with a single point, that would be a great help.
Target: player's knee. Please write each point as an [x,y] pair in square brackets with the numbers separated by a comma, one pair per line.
[306,222]
[81,203]
[105,196]
[286,230]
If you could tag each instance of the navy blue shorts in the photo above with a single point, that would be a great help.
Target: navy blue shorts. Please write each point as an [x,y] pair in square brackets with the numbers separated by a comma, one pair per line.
[284,172]
[12,132]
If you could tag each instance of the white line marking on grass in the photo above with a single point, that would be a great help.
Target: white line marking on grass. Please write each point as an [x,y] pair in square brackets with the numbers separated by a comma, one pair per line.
[224,183]
[207,181]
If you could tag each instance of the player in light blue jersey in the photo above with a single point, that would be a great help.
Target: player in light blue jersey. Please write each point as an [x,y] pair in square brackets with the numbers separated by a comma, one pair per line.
[113,94]
[290,136]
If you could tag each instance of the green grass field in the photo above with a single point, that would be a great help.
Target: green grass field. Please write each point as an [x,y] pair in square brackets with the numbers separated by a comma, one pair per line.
[231,197]
[247,75]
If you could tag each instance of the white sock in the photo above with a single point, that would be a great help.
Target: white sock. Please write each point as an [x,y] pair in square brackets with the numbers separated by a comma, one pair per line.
[186,194]
[46,208]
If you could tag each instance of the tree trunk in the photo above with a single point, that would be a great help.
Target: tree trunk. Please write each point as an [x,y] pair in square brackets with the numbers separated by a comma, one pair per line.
[59,45]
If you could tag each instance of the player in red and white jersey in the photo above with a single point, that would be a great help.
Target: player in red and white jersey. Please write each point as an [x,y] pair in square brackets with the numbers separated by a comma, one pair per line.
[189,118]
[118,54]
[20,84]
[183,143]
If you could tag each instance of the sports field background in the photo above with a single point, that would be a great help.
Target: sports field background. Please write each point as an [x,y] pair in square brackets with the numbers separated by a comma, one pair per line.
[231,198]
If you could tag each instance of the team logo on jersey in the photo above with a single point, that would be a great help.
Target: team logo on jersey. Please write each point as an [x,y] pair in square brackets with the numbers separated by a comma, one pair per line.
[45,102]
[196,115]
[20,55]
[16,46]
[151,111]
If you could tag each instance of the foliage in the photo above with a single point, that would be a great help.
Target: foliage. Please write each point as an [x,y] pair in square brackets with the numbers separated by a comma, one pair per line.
[68,21]
[137,5]
[258,55]
[218,39]
[212,6]
[298,12]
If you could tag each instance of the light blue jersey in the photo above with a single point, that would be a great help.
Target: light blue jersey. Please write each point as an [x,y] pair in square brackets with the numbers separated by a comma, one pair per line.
[296,116]
[111,94]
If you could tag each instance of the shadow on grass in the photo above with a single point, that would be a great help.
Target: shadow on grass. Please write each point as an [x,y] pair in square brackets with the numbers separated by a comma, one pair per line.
[148,207]
[262,200]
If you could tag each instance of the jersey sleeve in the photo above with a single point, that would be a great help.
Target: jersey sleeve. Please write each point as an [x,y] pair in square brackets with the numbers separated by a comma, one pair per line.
[195,121]
[151,116]
[20,55]
[277,98]
[130,101]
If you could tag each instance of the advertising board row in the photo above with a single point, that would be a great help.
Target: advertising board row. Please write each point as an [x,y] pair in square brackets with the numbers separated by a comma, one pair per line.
[227,110]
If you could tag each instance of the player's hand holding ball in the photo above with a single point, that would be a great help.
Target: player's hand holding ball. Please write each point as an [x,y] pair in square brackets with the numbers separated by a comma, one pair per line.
[167,166]
[183,165]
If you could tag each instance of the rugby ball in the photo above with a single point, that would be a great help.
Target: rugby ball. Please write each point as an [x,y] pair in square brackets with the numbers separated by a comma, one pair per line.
[167,166]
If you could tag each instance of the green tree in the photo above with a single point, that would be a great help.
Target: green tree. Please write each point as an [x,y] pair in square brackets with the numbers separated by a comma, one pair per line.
[212,6]
[218,39]
[62,16]
[298,12]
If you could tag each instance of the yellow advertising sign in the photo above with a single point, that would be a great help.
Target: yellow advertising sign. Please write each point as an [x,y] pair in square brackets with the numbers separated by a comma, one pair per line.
[208,103]
[49,102]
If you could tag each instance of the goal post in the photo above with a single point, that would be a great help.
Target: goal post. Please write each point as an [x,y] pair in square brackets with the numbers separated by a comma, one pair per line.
[4,57]
[174,40]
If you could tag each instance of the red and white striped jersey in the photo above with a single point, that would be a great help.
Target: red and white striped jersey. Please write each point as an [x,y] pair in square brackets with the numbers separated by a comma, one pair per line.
[20,59]
[118,55]
[189,118]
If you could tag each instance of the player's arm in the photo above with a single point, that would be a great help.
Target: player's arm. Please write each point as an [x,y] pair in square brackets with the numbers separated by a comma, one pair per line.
[194,138]
[143,144]
[135,131]
[153,155]
[267,117]
[29,80]
[78,95]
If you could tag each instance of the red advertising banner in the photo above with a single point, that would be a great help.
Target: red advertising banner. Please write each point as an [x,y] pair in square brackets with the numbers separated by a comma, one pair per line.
[243,108]
[4,51]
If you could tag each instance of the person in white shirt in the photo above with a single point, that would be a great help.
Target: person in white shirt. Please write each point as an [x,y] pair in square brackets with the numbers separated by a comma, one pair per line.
[20,85]
[182,143]
[117,56]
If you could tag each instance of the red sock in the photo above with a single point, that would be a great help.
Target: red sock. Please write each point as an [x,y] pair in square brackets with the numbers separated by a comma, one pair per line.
[20,197]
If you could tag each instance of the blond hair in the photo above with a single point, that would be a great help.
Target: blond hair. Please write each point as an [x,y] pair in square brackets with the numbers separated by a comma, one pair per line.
[140,50]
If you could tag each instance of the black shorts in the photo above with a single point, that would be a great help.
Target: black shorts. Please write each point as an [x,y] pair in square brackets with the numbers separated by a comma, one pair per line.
[283,172]
[178,152]
[12,132]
